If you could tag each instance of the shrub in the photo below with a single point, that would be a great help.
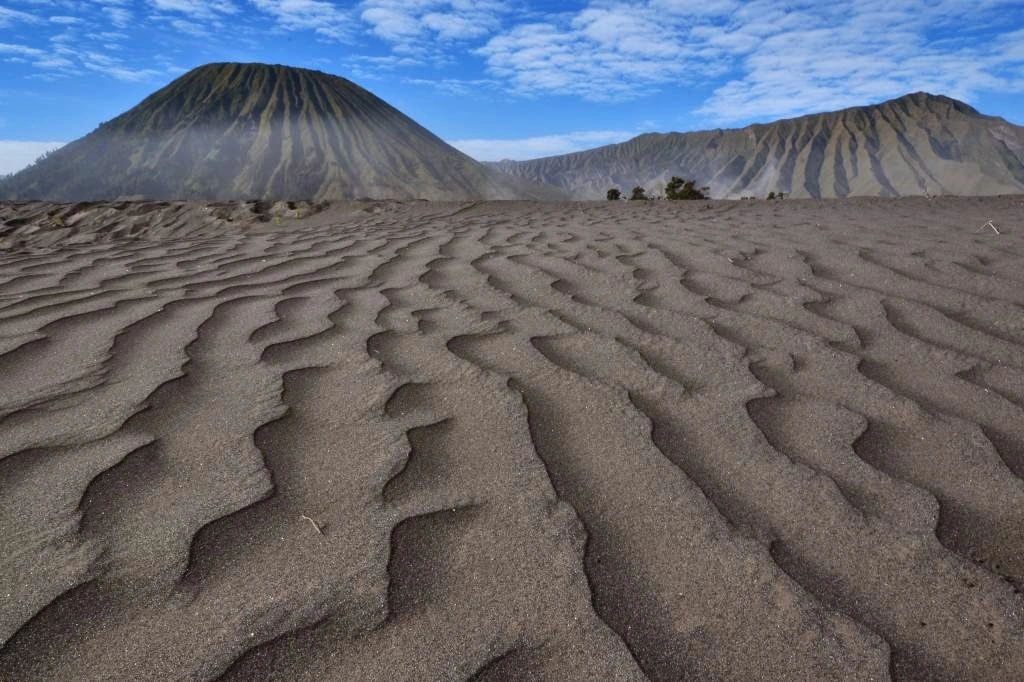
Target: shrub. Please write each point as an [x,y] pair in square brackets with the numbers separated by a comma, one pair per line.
[639,194]
[614,194]
[677,189]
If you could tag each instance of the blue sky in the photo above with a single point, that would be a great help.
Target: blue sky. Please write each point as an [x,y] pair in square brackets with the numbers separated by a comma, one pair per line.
[516,79]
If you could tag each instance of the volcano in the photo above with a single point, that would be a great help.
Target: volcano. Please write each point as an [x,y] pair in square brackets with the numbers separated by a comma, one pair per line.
[257,131]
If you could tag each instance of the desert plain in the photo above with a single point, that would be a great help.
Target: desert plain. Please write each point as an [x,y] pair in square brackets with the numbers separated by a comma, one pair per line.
[724,440]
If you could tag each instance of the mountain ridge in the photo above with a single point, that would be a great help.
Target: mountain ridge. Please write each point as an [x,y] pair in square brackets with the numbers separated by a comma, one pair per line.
[228,131]
[233,131]
[915,144]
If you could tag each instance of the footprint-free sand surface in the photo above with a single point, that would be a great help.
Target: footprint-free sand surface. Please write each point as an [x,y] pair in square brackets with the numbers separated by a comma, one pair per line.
[513,441]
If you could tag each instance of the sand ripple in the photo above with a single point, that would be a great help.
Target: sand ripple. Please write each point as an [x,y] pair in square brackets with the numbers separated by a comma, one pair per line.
[498,441]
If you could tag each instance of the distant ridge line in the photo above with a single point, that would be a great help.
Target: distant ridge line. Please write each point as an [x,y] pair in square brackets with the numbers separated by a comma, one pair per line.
[913,145]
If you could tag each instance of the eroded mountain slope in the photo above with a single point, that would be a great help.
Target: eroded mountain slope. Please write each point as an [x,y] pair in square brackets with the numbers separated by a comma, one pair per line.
[915,145]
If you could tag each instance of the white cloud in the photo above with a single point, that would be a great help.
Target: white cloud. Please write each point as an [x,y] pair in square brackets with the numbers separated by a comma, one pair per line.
[411,25]
[9,17]
[115,68]
[747,59]
[536,147]
[323,18]
[22,50]
[863,52]
[780,58]
[53,62]
[201,17]
[389,24]
[16,154]
[109,35]
[119,16]
[461,87]
[200,9]
[604,52]
[193,28]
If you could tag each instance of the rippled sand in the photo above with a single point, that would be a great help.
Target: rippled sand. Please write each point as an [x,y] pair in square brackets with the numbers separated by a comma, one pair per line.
[416,441]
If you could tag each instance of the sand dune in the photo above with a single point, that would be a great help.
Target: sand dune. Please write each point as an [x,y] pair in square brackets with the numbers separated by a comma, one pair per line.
[495,441]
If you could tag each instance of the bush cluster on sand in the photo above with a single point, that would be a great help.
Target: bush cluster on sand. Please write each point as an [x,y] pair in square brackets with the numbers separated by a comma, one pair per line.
[675,190]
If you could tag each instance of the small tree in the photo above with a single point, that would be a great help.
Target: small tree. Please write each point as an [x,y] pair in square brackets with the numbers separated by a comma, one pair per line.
[771,196]
[677,189]
[639,194]
[614,194]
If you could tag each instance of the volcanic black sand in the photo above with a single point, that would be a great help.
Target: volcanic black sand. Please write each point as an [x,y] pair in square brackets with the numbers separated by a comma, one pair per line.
[595,441]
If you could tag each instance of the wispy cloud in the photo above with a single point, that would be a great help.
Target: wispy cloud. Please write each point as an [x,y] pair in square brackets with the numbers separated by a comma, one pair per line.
[195,18]
[54,62]
[777,58]
[9,17]
[21,50]
[115,68]
[198,29]
[535,147]
[427,25]
[730,61]
[463,87]
[323,18]
[865,51]
[118,12]
[199,9]
[603,52]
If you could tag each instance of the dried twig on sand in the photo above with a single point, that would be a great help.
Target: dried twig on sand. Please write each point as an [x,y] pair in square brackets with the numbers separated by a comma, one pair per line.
[989,224]
[315,524]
